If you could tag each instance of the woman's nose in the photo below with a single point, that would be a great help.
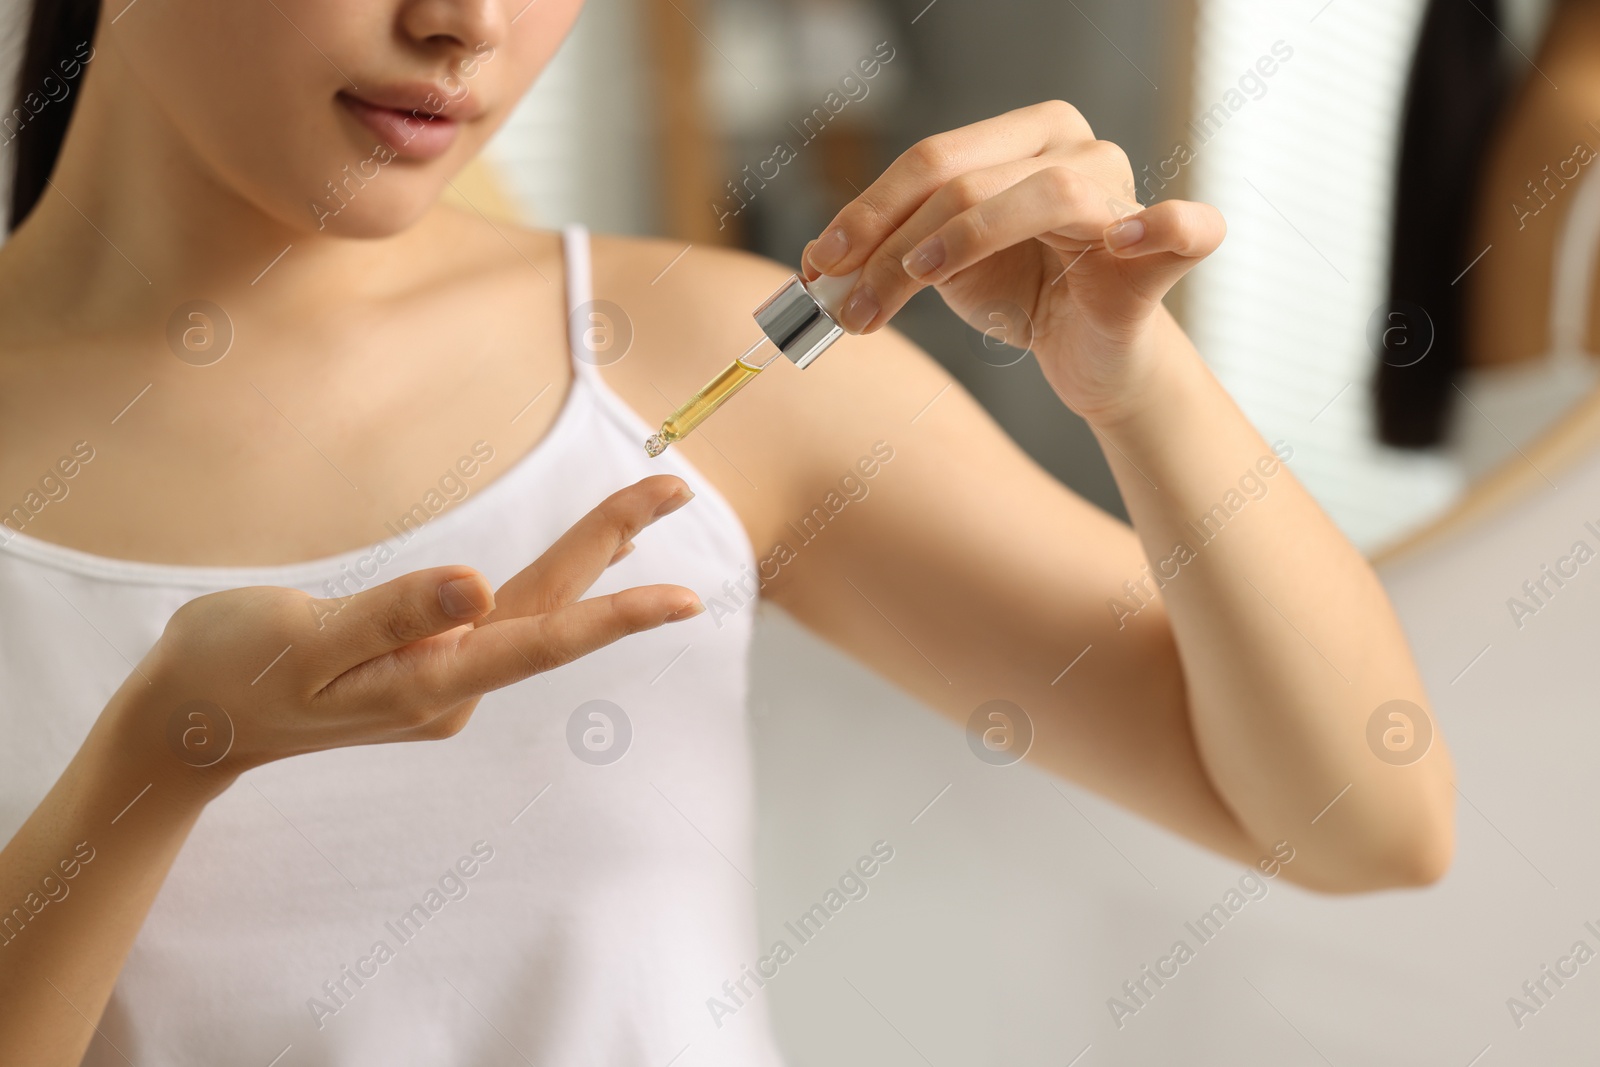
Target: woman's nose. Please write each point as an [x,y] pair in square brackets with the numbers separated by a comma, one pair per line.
[467,23]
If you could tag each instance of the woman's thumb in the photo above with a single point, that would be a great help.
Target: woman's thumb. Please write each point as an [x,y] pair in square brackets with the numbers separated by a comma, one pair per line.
[1165,241]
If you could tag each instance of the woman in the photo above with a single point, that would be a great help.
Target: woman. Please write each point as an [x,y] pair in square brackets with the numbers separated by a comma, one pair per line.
[517,893]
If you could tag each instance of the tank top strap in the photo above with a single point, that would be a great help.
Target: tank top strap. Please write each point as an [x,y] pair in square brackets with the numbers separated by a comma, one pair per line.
[1572,272]
[594,327]
[579,269]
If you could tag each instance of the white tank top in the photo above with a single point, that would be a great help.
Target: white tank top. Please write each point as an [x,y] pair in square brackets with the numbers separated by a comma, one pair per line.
[1513,404]
[607,901]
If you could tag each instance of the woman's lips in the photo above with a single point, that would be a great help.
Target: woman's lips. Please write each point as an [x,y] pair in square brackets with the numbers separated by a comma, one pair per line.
[413,134]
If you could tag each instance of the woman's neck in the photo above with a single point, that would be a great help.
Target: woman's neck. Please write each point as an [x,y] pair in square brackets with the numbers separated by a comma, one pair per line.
[136,221]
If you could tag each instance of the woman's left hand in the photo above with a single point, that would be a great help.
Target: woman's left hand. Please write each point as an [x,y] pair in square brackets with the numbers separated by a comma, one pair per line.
[1025,223]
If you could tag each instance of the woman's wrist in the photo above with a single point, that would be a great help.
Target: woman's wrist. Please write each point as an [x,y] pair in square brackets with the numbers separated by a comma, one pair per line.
[174,751]
[1164,381]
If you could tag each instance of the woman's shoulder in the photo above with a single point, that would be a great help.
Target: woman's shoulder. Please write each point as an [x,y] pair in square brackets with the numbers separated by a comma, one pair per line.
[702,282]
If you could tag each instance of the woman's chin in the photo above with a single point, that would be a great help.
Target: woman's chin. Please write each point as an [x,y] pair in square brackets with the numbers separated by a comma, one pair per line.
[367,218]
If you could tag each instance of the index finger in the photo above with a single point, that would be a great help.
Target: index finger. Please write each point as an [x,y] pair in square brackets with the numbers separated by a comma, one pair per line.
[921,170]
[502,653]
[570,566]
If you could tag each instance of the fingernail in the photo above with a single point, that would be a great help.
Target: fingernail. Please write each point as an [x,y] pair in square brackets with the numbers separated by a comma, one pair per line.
[925,258]
[807,271]
[1125,234]
[627,547]
[829,249]
[859,310]
[673,503]
[456,598]
[686,613]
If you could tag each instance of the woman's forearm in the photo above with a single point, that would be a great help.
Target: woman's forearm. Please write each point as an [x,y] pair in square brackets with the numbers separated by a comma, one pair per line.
[78,878]
[1288,642]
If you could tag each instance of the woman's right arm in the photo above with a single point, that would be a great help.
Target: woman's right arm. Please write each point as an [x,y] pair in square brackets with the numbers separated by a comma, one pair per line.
[406,660]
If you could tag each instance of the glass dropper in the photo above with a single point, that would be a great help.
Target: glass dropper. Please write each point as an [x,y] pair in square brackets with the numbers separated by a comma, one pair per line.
[799,320]
[699,407]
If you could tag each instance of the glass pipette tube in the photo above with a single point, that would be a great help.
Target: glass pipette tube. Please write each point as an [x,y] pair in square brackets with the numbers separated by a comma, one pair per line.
[729,380]
[797,321]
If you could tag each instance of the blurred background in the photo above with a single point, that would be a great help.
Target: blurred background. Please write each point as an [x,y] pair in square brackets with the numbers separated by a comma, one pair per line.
[1016,908]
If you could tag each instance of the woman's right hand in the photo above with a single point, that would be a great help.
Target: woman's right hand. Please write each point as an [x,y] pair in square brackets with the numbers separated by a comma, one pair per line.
[247,676]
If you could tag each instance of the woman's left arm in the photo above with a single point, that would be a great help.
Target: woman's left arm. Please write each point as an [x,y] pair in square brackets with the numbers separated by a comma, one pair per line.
[1221,667]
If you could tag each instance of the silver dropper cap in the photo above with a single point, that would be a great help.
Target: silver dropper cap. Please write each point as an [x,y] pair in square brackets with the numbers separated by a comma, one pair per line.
[800,319]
